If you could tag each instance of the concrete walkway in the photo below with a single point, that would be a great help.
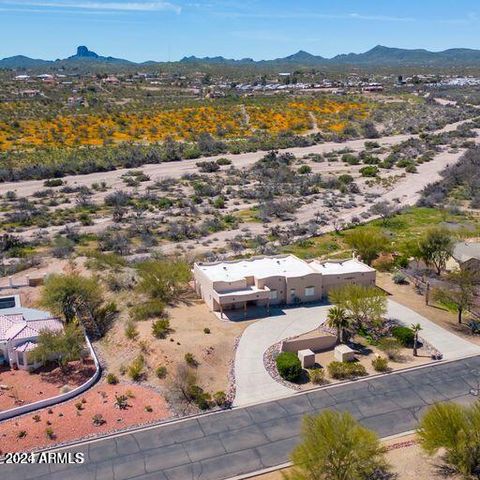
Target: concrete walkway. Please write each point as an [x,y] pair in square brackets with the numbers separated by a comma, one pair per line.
[450,345]
[254,383]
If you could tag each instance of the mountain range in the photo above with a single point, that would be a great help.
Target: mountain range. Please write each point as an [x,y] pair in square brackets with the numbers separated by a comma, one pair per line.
[377,56]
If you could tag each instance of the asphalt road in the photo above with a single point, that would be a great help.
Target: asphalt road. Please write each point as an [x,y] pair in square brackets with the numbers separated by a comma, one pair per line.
[229,443]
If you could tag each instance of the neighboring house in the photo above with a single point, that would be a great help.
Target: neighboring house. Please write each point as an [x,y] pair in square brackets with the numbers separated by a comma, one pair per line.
[283,279]
[19,330]
[467,255]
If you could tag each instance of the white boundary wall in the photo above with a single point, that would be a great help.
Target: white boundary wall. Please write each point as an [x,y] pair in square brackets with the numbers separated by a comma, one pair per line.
[47,402]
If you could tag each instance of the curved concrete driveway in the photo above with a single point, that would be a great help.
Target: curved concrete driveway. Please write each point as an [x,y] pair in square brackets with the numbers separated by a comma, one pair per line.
[254,383]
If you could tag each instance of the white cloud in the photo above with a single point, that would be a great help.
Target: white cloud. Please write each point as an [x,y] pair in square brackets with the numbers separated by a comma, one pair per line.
[100,6]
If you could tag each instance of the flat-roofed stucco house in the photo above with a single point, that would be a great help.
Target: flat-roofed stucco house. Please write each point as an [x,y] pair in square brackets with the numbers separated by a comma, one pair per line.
[19,330]
[283,279]
[467,255]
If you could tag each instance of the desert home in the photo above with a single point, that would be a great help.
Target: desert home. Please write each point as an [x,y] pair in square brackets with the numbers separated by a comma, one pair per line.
[19,330]
[274,280]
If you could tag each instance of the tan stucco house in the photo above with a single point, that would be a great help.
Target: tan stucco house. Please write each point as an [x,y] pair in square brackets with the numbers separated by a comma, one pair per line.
[274,280]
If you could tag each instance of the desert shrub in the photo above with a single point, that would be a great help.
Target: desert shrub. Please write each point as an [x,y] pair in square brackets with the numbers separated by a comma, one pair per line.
[112,379]
[224,161]
[147,310]
[161,328]
[404,335]
[304,169]
[121,402]
[380,364]
[135,369]
[219,202]
[98,420]
[350,159]
[53,182]
[22,434]
[36,418]
[131,331]
[344,370]
[399,278]
[191,360]
[161,371]
[369,171]
[317,376]
[391,346]
[200,397]
[289,366]
[220,398]
[49,433]
[206,330]
[208,166]
[148,408]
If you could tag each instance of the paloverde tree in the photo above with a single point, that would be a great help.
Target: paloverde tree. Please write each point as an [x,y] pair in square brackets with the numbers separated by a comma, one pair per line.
[460,294]
[436,248]
[65,294]
[65,346]
[455,429]
[334,446]
[368,243]
[338,318]
[366,306]
[163,279]
[74,296]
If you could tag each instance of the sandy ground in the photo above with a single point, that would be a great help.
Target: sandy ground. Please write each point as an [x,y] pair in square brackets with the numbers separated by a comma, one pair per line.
[25,387]
[68,422]
[407,190]
[214,350]
[406,295]
[406,458]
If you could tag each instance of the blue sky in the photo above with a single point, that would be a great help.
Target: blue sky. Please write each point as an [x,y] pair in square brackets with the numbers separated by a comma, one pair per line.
[161,30]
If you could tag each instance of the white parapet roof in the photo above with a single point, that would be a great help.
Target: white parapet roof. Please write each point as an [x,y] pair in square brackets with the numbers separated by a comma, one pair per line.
[330,267]
[258,267]
[285,266]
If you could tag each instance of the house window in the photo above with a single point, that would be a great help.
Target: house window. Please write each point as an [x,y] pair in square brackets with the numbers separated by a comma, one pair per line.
[309,291]
[292,292]
[273,295]
[20,358]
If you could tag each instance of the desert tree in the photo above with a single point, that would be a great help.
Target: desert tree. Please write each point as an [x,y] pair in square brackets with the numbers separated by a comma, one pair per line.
[368,243]
[334,446]
[365,305]
[455,431]
[436,248]
[64,346]
[460,293]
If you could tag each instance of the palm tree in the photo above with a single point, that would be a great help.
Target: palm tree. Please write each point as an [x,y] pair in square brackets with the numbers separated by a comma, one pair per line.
[415,327]
[335,446]
[338,318]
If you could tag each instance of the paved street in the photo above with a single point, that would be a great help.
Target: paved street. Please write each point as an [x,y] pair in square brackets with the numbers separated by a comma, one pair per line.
[225,444]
